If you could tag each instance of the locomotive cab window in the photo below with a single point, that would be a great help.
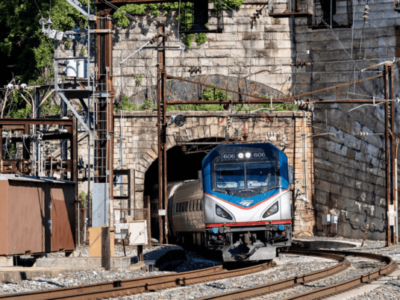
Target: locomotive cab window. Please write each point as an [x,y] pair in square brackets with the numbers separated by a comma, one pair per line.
[229,176]
[254,177]
[260,174]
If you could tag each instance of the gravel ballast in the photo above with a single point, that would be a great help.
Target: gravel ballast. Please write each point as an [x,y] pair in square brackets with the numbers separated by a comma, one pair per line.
[287,266]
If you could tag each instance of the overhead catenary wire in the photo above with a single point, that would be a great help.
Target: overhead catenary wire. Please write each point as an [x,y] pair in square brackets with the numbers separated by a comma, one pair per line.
[38,8]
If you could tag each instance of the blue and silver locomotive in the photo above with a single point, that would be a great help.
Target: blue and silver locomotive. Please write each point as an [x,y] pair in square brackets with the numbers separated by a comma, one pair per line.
[240,205]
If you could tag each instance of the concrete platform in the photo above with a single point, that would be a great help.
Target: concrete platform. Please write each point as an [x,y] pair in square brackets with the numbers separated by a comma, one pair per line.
[117,263]
[314,244]
[166,258]
[8,274]
[6,261]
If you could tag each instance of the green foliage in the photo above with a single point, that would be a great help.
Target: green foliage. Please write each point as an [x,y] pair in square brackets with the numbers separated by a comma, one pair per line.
[134,9]
[47,109]
[186,17]
[186,107]
[125,105]
[21,113]
[231,3]
[242,107]
[188,39]
[83,199]
[172,108]
[24,47]
[10,152]
[22,40]
[138,79]
[148,104]
[201,38]
[267,106]
[208,94]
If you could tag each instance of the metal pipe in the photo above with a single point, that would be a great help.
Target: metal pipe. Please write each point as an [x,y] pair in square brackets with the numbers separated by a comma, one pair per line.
[387,157]
[160,153]
[305,155]
[392,149]
[121,164]
[396,201]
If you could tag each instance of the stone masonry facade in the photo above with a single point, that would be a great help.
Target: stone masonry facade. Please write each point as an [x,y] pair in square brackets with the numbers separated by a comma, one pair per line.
[350,176]
[349,169]
[286,130]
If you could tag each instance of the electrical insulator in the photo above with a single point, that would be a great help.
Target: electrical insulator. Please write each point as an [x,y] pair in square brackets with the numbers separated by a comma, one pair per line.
[299,102]
[229,121]
[256,16]
[365,13]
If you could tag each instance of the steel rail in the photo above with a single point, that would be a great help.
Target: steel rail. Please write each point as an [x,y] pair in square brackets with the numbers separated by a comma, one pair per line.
[154,283]
[137,285]
[351,283]
[112,284]
[317,293]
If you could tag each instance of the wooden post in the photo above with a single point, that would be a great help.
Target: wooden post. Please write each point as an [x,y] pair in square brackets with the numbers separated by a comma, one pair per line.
[105,248]
[148,221]
[140,252]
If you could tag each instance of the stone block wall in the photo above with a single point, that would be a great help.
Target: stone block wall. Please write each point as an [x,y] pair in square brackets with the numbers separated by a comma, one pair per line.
[265,50]
[350,176]
[339,55]
[283,129]
[349,168]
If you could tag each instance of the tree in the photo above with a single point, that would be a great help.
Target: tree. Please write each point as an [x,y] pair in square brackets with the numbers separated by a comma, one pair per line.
[25,50]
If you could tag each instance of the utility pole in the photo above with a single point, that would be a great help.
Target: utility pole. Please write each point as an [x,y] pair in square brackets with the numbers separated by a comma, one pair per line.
[162,137]
[105,119]
[390,155]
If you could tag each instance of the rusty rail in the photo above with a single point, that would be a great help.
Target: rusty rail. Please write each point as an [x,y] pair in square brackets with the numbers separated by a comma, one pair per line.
[154,283]
[109,285]
[137,285]
[317,293]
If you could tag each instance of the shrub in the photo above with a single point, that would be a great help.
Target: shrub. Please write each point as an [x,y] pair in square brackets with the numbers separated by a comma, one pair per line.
[125,105]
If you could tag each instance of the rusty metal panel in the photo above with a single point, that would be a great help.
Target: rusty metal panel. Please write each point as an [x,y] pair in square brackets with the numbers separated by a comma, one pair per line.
[28,209]
[3,216]
[62,227]
[27,218]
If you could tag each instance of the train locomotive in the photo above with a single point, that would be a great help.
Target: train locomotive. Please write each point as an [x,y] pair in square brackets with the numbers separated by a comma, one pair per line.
[239,205]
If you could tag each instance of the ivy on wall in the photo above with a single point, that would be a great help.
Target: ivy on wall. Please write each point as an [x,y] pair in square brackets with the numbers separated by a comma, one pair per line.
[185,18]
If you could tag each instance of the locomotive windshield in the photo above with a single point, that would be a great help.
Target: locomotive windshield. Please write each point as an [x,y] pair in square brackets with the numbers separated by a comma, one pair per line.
[260,174]
[255,177]
[230,176]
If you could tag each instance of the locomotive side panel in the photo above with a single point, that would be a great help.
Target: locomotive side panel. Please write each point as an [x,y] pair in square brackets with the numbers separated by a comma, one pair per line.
[188,208]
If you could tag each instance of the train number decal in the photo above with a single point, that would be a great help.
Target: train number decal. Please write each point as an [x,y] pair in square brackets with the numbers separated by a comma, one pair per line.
[229,156]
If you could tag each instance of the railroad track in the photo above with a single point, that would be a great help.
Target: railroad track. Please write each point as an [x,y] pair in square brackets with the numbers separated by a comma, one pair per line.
[155,283]
[317,293]
[137,285]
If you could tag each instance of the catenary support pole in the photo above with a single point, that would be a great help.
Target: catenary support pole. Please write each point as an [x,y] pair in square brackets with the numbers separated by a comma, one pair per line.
[161,126]
[389,155]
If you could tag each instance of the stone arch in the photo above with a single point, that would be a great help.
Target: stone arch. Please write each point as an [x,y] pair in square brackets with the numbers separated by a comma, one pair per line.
[180,90]
[190,132]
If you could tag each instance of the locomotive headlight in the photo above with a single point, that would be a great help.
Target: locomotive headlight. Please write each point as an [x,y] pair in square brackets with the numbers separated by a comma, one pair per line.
[272,210]
[240,155]
[222,213]
[248,154]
